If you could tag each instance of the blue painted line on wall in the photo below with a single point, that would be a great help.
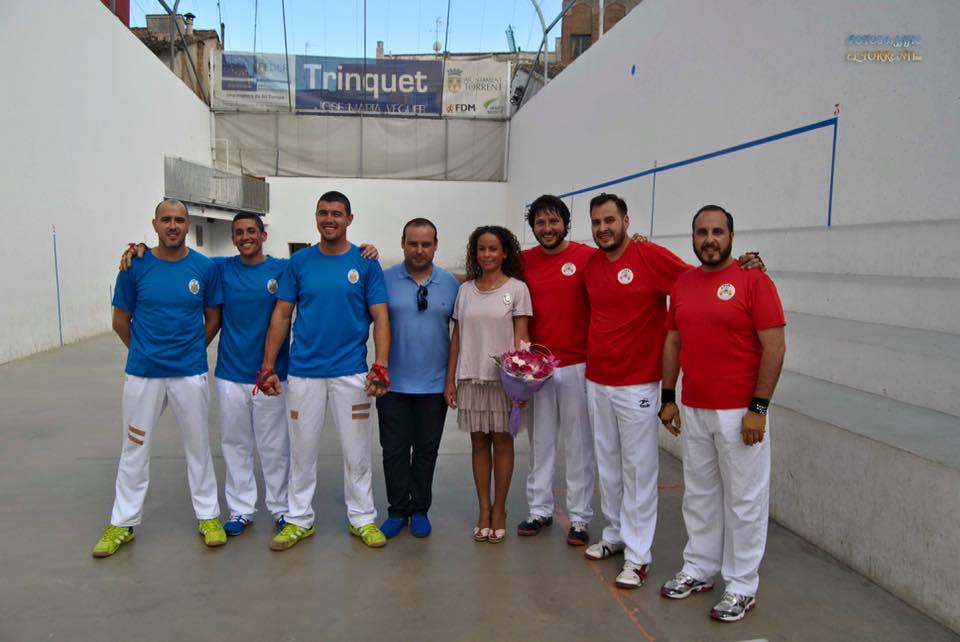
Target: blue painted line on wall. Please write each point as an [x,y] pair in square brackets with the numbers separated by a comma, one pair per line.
[833,164]
[56,274]
[720,152]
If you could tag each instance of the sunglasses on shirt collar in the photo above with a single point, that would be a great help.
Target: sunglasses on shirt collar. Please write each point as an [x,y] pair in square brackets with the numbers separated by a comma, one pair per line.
[422,298]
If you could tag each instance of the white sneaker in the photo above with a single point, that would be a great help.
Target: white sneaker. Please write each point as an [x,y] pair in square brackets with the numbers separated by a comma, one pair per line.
[602,550]
[732,607]
[632,576]
[682,585]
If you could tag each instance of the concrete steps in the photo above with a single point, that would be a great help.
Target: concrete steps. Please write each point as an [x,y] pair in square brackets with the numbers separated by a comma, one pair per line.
[922,432]
[925,303]
[874,482]
[918,367]
[916,249]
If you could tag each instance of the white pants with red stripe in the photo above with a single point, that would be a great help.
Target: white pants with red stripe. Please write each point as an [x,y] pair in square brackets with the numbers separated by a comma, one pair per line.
[248,421]
[726,498]
[625,427]
[144,399]
[560,408]
[307,402]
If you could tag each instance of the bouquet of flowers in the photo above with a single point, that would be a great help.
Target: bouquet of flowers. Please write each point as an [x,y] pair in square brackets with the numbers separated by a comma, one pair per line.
[522,373]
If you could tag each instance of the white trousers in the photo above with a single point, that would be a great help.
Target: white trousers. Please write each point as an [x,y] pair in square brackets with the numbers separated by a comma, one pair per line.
[248,421]
[307,402]
[625,427]
[560,407]
[726,498]
[143,401]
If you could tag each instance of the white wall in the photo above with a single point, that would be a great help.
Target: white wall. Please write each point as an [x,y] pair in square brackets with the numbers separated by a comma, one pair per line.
[381,207]
[710,75]
[870,300]
[87,119]
[217,236]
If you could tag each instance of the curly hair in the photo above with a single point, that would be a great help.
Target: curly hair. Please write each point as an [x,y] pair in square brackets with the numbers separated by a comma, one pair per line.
[549,203]
[511,247]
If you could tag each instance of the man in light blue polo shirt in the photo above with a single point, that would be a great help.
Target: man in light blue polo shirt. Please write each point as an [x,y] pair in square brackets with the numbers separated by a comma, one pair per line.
[420,298]
[166,310]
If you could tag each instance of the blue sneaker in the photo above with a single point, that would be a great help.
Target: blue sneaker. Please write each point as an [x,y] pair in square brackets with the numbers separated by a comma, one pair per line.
[236,524]
[420,525]
[392,527]
[281,522]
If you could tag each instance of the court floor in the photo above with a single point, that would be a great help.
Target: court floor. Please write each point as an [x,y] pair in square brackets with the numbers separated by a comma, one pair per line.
[60,423]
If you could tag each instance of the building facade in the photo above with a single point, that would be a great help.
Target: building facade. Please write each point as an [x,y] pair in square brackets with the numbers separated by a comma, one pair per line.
[581,25]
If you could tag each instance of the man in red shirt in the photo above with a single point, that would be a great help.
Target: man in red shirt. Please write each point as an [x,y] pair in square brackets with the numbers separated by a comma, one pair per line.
[726,331]
[627,284]
[554,273]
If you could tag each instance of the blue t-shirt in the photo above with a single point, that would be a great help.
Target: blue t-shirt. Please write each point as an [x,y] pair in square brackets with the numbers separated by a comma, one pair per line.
[249,294]
[333,295]
[419,340]
[167,300]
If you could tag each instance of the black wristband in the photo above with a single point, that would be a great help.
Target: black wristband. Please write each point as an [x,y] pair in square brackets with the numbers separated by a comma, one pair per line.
[759,406]
[668,395]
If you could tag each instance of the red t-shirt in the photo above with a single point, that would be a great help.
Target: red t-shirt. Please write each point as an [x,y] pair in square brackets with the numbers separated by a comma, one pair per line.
[628,306]
[718,315]
[561,310]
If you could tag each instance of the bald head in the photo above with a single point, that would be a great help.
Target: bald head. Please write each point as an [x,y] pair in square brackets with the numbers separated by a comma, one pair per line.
[171,221]
[170,203]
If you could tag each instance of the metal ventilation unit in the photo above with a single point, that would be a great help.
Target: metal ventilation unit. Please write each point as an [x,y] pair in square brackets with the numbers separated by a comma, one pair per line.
[201,185]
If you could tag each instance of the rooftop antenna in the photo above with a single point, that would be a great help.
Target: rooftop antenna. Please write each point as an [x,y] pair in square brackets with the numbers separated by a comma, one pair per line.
[437,45]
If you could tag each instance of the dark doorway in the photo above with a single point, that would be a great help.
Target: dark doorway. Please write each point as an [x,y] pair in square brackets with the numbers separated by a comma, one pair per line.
[296,247]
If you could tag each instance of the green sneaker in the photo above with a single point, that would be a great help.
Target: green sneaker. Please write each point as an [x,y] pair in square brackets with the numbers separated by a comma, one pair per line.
[212,531]
[113,538]
[370,535]
[289,536]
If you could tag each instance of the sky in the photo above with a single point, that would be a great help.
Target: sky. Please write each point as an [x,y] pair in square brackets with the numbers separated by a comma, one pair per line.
[335,27]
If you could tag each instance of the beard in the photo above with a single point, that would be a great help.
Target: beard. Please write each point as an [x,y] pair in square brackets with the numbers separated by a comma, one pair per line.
[723,255]
[559,239]
[615,243]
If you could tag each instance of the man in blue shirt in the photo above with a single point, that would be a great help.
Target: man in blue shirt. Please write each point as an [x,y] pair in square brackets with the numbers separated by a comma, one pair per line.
[248,420]
[337,294]
[420,298]
[166,311]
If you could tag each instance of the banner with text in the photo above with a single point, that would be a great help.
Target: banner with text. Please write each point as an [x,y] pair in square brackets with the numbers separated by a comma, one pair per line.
[476,89]
[376,87]
[333,85]
[251,82]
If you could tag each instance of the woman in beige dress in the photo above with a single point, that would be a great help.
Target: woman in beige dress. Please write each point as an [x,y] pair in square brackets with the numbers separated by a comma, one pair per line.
[491,316]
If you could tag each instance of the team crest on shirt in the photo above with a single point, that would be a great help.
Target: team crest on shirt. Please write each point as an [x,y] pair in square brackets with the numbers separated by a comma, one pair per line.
[272,286]
[625,276]
[194,286]
[353,276]
[507,299]
[726,291]
[568,269]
